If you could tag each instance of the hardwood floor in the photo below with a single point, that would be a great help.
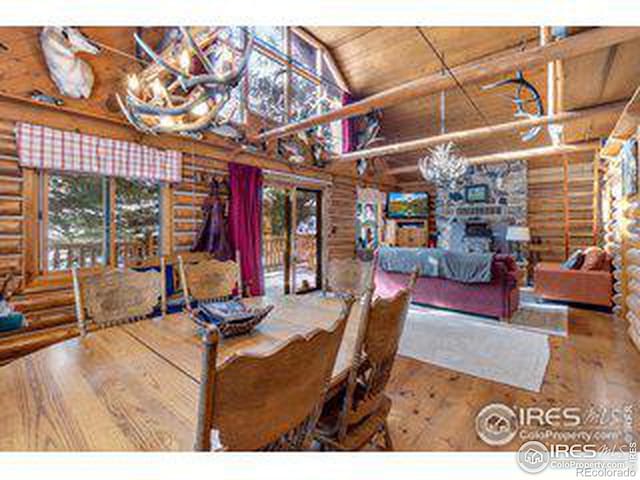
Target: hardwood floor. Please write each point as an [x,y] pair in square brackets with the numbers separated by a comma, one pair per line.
[434,408]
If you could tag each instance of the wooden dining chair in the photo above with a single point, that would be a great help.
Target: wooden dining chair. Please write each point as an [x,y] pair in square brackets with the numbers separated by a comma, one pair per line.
[266,401]
[349,276]
[114,297]
[358,416]
[158,264]
[209,280]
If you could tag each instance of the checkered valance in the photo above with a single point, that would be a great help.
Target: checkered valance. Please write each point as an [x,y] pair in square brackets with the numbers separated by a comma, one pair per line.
[43,147]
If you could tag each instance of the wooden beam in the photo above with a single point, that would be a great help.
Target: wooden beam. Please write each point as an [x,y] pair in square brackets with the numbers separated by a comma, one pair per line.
[483,132]
[472,72]
[551,150]
[625,127]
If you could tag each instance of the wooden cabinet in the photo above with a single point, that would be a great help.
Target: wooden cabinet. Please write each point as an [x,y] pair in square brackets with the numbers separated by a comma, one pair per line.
[412,234]
[407,233]
[411,237]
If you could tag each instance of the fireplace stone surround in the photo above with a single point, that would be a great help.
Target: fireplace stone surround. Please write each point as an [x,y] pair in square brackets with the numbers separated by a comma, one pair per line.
[506,205]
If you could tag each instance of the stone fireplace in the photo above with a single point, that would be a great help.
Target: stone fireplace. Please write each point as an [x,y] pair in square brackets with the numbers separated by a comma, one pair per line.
[481,226]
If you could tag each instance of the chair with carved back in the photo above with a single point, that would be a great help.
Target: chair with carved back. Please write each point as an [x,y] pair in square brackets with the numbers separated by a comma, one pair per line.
[172,263]
[158,264]
[349,276]
[115,297]
[208,280]
[358,416]
[266,401]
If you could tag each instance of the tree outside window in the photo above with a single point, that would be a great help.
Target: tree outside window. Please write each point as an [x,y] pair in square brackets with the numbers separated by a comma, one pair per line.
[78,220]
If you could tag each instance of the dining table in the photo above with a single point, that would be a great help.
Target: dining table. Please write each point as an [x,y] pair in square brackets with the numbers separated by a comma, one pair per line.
[134,387]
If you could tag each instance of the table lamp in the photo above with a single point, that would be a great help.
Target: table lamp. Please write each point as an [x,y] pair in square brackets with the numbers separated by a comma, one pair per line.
[518,235]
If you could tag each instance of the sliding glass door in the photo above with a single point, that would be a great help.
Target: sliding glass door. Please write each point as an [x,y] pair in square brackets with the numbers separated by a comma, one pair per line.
[307,271]
[291,240]
[275,226]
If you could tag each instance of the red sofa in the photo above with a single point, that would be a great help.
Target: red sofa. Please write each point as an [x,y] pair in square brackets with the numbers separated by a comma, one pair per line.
[498,298]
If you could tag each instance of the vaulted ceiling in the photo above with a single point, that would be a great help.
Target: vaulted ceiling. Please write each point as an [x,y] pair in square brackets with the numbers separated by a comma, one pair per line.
[376,58]
[373,59]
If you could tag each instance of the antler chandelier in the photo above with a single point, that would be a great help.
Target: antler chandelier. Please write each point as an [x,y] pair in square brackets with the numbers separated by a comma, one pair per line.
[189,82]
[443,165]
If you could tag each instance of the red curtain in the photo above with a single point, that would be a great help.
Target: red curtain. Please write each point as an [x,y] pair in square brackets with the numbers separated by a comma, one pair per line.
[245,221]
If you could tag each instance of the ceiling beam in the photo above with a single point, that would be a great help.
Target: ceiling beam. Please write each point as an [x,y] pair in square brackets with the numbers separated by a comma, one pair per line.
[472,72]
[484,132]
[547,151]
[625,127]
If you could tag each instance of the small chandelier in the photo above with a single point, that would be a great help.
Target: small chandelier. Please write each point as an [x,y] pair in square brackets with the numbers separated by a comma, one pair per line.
[189,83]
[443,165]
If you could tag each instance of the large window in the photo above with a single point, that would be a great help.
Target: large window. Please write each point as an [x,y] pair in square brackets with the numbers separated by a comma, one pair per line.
[75,221]
[137,218]
[267,87]
[289,79]
[304,97]
[90,221]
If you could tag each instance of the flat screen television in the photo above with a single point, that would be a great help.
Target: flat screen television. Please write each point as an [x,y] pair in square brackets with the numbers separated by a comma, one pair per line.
[402,205]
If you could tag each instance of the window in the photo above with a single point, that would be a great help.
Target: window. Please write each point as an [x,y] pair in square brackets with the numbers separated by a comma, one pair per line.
[332,132]
[88,219]
[286,88]
[273,37]
[304,98]
[266,87]
[137,220]
[233,108]
[75,221]
[303,53]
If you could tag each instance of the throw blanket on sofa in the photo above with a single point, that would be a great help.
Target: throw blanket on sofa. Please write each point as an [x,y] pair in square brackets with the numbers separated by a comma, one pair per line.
[436,262]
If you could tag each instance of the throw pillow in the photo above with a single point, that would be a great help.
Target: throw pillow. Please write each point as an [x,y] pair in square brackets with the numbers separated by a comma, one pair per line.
[594,259]
[575,261]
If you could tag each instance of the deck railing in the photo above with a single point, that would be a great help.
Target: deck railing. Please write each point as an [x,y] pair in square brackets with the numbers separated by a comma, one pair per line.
[66,255]
[273,252]
[273,248]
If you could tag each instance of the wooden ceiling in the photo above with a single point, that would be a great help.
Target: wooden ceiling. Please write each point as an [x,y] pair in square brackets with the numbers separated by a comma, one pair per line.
[375,58]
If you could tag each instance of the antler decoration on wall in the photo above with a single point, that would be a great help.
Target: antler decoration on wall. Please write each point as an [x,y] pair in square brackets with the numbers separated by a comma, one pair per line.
[188,84]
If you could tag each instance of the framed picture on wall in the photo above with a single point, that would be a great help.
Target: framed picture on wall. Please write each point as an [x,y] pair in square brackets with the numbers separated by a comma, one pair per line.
[476,193]
[629,163]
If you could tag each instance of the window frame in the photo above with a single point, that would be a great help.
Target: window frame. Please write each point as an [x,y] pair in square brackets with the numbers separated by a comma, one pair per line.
[284,59]
[37,228]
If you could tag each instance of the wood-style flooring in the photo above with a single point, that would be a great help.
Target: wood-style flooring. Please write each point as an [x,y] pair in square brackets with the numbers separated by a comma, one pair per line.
[434,408]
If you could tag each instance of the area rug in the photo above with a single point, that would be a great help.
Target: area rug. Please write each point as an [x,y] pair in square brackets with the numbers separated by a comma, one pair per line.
[477,346]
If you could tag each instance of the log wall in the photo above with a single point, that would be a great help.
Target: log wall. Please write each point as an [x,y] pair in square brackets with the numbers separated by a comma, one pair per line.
[548,217]
[48,303]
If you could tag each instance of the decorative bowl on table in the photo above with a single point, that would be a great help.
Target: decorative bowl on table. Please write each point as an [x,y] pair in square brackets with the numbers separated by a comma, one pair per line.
[231,317]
